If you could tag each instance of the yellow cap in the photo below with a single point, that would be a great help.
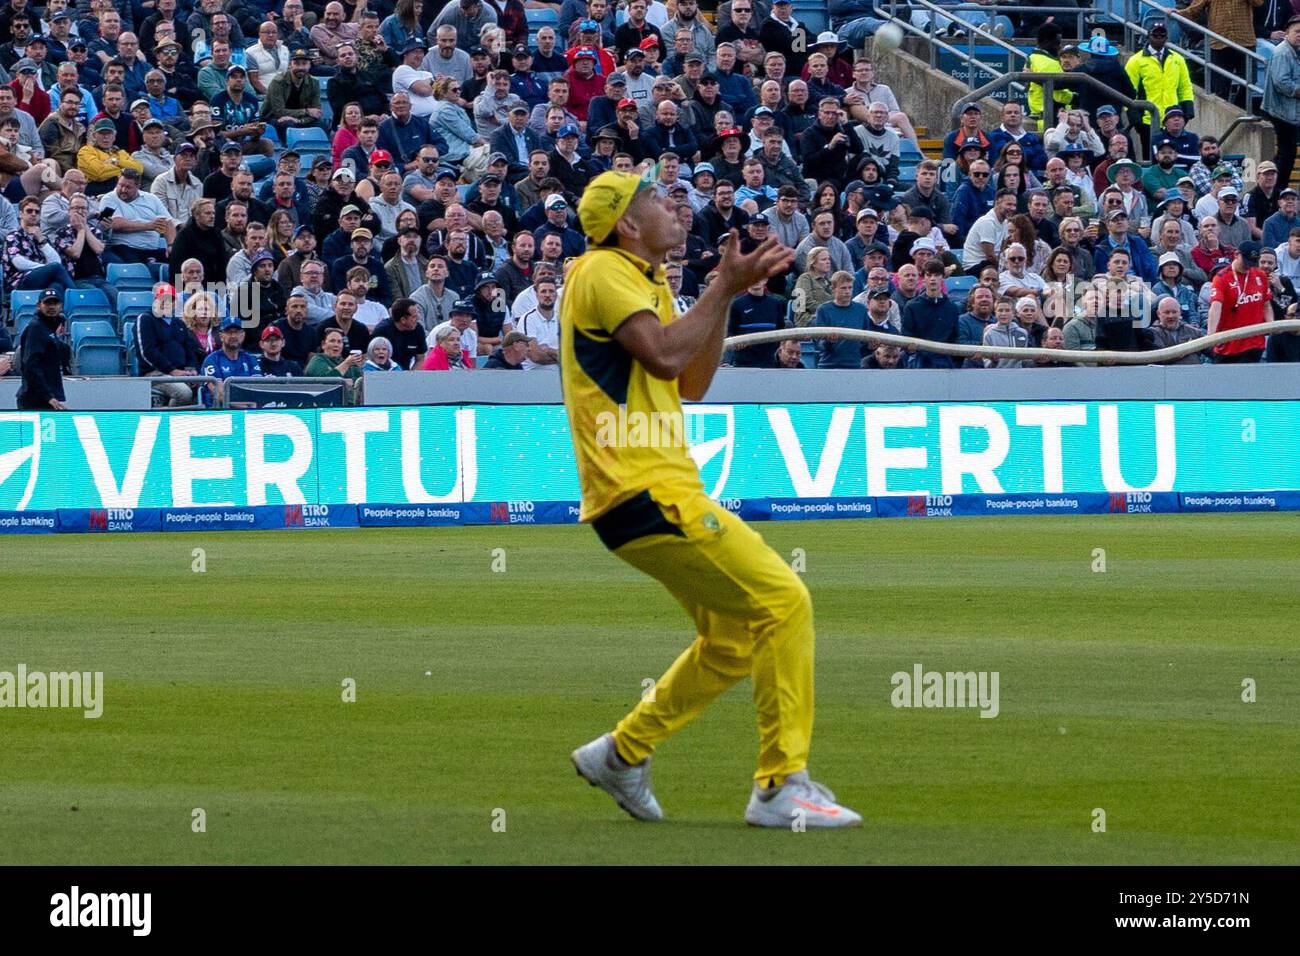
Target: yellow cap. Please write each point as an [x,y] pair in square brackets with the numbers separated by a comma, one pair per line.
[606,198]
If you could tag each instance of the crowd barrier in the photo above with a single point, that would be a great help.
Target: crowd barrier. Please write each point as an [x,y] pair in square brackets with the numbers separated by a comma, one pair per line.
[480,464]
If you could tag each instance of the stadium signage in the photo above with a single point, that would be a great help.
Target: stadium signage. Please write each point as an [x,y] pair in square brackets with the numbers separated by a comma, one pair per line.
[133,471]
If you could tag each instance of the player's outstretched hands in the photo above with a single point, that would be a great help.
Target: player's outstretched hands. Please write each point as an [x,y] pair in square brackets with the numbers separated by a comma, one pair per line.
[741,270]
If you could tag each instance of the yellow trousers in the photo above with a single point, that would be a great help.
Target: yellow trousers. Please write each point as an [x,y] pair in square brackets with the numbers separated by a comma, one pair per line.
[753,617]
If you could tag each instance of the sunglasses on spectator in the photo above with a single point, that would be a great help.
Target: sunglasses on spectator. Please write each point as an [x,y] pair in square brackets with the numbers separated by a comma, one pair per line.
[1015,258]
[979,175]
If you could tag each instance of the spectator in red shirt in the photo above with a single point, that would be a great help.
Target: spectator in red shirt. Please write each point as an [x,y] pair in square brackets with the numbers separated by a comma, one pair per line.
[585,84]
[1240,296]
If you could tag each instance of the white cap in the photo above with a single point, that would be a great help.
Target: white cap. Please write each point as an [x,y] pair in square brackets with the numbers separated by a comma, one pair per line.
[1026,300]
[925,242]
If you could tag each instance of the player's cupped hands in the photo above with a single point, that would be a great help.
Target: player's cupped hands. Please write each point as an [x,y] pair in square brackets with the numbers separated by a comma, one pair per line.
[741,270]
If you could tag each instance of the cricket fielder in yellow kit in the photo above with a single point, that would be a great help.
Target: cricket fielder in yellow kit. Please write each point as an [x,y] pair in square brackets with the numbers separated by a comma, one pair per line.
[626,358]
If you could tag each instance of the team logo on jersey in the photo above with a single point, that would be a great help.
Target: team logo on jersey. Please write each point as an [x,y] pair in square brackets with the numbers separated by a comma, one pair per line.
[20,441]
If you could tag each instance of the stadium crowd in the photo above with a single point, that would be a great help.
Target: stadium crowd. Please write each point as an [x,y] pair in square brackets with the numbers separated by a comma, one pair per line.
[425,214]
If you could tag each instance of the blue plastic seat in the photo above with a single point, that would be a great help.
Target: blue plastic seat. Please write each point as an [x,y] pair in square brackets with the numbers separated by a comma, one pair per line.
[541,18]
[100,358]
[132,356]
[134,302]
[126,276]
[24,301]
[94,330]
[80,304]
[310,136]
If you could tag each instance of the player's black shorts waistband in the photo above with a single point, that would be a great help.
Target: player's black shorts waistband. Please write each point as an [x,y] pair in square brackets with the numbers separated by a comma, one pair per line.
[635,518]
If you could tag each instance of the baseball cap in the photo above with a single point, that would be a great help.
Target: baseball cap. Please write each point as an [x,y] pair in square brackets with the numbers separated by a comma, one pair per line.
[709,78]
[271,332]
[555,201]
[1107,110]
[415,43]
[730,131]
[1158,26]
[568,129]
[361,234]
[971,142]
[140,102]
[972,108]
[1250,250]
[922,212]
[1186,180]
[588,26]
[349,210]
[882,293]
[1116,214]
[867,214]
[104,125]
[1267,166]
[1221,170]
[584,53]
[702,168]
[827,37]
[606,198]
[519,108]
[186,148]
[635,51]
[49,294]
[261,255]
[616,79]
[344,173]
[648,42]
[300,53]
[231,322]
[445,172]
[61,15]
[479,50]
[464,307]
[764,111]
[25,65]
[693,58]
[925,243]
[521,50]
[1229,192]
[235,68]
[230,146]
[485,278]
[1288,192]
[489,178]
[318,162]
[1163,141]
[1174,111]
[381,156]
[305,227]
[625,102]
[152,121]
[495,158]
[81,45]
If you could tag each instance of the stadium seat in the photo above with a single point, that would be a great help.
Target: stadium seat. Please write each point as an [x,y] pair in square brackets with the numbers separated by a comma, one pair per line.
[164,272]
[82,304]
[127,276]
[94,330]
[132,356]
[541,18]
[133,303]
[22,302]
[100,358]
[808,351]
[959,287]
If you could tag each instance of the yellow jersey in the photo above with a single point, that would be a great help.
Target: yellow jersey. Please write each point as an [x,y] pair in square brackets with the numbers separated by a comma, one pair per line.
[627,426]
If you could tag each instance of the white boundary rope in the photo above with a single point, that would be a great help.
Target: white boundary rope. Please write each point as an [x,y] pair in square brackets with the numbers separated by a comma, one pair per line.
[1152,357]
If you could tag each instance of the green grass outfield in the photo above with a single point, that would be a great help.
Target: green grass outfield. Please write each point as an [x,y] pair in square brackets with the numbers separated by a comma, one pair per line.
[1119,690]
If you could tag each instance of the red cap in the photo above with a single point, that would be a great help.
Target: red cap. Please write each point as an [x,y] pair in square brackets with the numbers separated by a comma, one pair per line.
[626,102]
[732,131]
[269,331]
[381,156]
[162,289]
[648,42]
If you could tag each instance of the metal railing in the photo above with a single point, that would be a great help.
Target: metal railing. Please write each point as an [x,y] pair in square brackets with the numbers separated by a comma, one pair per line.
[1153,357]
[1049,82]
[1080,15]
[931,34]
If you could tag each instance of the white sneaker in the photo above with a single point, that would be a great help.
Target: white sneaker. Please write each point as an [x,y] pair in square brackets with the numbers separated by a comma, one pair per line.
[598,763]
[799,802]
